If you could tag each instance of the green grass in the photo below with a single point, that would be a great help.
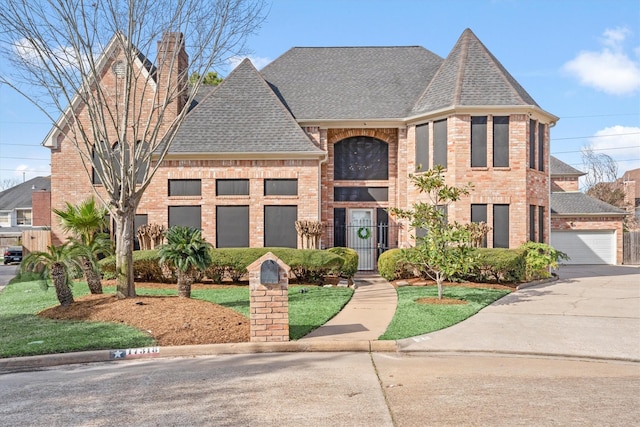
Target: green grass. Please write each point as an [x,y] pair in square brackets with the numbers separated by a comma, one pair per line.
[412,318]
[23,333]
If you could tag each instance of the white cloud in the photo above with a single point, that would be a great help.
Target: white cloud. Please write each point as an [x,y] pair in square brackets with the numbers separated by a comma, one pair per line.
[621,143]
[610,69]
[257,61]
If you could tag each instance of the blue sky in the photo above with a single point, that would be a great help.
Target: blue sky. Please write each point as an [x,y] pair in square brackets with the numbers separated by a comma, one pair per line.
[579,59]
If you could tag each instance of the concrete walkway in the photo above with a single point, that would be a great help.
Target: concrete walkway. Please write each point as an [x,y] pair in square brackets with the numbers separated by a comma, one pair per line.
[365,317]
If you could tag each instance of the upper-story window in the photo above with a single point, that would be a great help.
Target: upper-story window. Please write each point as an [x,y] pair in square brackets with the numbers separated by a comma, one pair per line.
[185,187]
[5,219]
[361,158]
[479,141]
[280,187]
[532,144]
[440,143]
[23,216]
[232,187]
[500,141]
[422,147]
[541,132]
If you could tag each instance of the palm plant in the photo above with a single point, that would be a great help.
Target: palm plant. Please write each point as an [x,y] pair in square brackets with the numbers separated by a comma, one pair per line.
[185,252]
[86,222]
[57,263]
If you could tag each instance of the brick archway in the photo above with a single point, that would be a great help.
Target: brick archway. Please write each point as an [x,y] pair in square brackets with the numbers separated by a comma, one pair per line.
[390,136]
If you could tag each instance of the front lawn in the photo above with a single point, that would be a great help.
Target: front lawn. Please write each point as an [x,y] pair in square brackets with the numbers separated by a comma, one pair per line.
[414,318]
[24,333]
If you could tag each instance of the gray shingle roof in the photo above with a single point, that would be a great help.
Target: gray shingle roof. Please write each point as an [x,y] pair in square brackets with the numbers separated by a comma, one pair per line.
[579,203]
[342,83]
[241,115]
[559,168]
[471,75]
[19,196]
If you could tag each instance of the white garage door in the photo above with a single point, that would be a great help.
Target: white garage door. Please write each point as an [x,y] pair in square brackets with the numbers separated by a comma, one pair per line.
[586,247]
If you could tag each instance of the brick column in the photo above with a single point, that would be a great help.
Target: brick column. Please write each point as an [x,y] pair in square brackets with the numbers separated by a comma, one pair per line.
[268,301]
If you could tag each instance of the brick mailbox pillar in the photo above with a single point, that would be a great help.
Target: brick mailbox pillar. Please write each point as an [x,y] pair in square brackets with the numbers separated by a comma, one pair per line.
[269,299]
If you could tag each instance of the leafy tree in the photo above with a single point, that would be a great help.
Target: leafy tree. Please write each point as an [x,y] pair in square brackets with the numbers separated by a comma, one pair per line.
[52,54]
[86,222]
[186,251]
[57,263]
[442,249]
[209,79]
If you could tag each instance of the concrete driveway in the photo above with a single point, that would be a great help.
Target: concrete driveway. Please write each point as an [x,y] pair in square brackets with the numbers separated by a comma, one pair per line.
[591,311]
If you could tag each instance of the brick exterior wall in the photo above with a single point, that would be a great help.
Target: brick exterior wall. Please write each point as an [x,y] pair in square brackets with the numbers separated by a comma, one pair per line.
[41,208]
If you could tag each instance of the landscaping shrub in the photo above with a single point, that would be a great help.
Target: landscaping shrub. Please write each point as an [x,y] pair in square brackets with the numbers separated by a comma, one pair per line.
[499,265]
[391,266]
[350,266]
[538,258]
[146,267]
[308,265]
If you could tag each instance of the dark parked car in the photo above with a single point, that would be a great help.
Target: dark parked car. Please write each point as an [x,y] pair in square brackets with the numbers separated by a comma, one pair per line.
[13,254]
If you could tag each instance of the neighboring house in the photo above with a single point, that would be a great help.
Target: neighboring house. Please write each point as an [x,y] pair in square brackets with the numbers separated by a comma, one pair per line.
[331,134]
[24,207]
[589,230]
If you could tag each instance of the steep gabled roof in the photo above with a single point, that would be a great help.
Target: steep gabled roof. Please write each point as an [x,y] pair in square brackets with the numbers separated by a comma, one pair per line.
[19,196]
[559,168]
[472,76]
[241,115]
[104,60]
[348,83]
[574,203]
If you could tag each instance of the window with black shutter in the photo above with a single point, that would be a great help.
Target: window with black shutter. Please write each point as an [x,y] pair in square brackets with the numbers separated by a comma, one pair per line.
[361,158]
[422,147]
[500,141]
[187,216]
[479,141]
[232,226]
[185,187]
[280,226]
[500,226]
[440,143]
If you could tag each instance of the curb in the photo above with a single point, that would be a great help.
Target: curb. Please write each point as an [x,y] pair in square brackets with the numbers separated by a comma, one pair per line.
[31,363]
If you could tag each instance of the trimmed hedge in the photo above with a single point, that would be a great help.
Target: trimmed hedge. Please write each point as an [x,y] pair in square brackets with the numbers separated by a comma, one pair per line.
[391,266]
[350,266]
[308,265]
[499,265]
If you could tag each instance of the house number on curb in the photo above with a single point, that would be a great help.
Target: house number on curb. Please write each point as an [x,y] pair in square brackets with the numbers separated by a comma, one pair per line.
[131,353]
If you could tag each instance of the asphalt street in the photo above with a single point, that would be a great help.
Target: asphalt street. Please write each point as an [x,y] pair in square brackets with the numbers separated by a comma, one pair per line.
[327,389]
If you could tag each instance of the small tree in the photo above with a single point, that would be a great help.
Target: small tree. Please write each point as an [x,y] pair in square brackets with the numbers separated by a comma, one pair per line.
[56,263]
[186,251]
[442,249]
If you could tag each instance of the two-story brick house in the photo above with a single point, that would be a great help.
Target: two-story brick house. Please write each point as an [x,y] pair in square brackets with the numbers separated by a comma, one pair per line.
[331,134]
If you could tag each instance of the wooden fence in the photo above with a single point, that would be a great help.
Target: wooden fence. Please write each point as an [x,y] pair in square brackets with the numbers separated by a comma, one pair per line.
[631,247]
[35,240]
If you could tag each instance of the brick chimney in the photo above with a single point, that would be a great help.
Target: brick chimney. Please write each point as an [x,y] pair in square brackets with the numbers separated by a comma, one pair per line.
[173,63]
[41,208]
